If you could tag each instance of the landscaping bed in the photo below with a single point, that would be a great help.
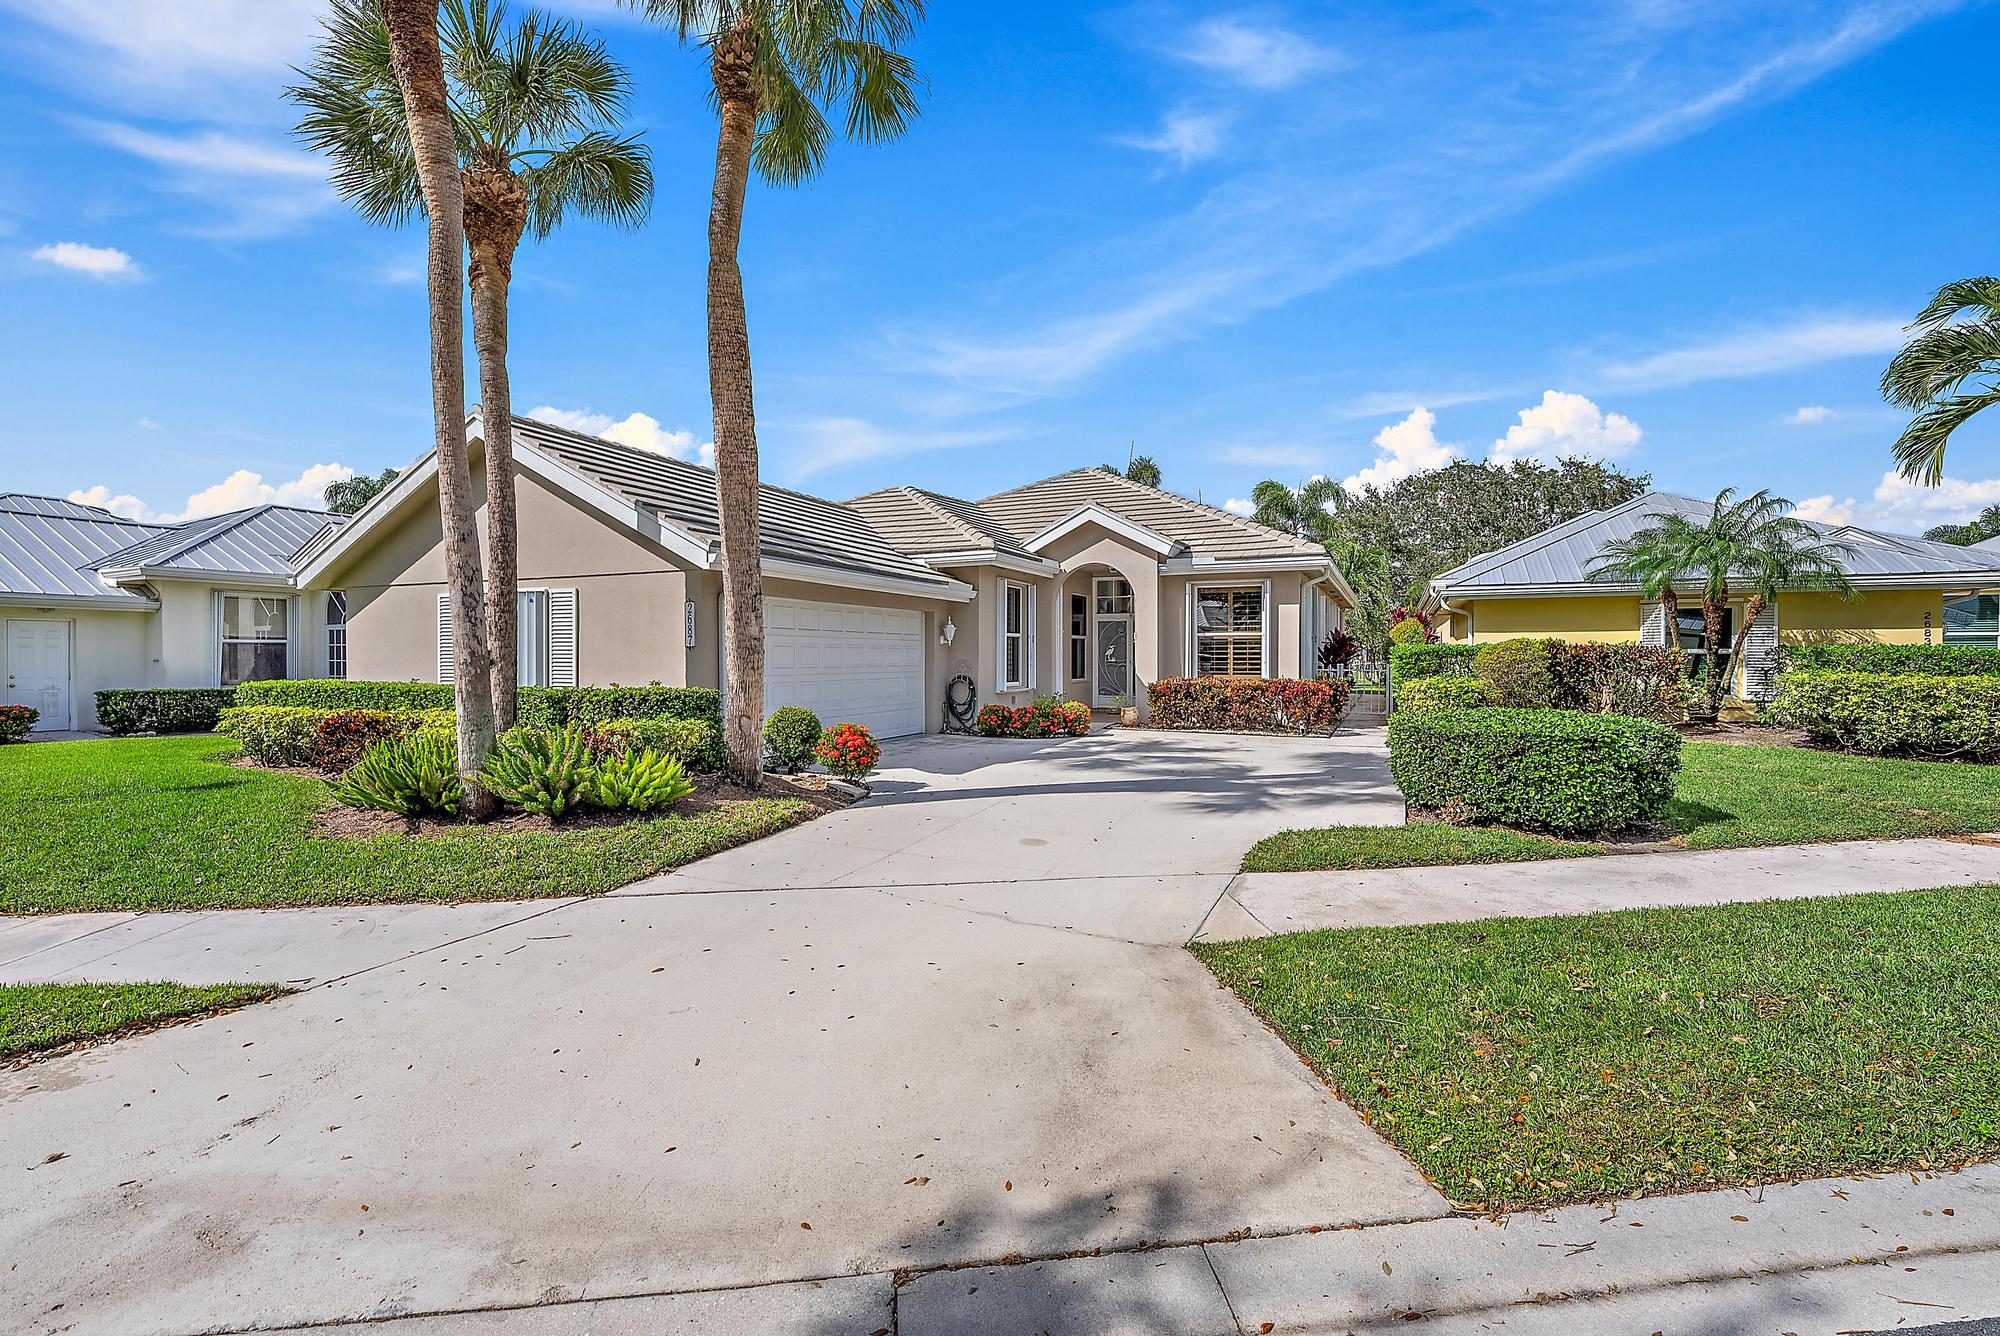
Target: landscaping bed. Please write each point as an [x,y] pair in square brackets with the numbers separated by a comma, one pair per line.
[1534,1062]
[167,823]
[41,1018]
[711,794]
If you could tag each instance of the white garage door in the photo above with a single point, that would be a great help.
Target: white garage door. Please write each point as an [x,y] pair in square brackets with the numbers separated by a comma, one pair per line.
[846,664]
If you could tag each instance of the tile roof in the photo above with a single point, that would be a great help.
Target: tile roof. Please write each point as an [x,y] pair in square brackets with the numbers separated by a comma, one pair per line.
[1200,529]
[47,547]
[922,522]
[1561,555]
[792,525]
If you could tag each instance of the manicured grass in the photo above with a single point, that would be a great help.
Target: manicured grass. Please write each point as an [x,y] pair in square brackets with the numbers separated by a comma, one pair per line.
[1529,1062]
[44,1015]
[163,823]
[1403,846]
[1726,797]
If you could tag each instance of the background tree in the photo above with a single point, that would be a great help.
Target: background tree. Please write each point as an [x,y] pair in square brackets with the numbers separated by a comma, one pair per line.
[350,494]
[1299,511]
[1138,468]
[1751,547]
[533,106]
[777,67]
[1978,530]
[1956,341]
[418,67]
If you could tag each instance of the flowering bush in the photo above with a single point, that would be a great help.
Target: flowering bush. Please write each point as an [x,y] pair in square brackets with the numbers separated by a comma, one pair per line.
[1248,704]
[1048,717]
[16,720]
[848,750]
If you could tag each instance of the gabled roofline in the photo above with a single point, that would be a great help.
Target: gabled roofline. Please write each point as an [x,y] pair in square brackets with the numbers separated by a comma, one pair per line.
[987,556]
[1092,513]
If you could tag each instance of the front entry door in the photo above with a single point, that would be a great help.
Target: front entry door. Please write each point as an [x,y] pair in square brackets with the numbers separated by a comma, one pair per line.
[1114,660]
[38,670]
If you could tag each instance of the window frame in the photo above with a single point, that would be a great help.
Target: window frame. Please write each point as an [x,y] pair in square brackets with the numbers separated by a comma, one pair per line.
[1079,637]
[1695,655]
[223,640]
[1013,635]
[1947,636]
[1261,636]
[336,633]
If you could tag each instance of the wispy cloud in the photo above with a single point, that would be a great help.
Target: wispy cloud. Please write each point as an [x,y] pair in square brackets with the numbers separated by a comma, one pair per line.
[1257,55]
[259,184]
[829,443]
[99,262]
[1187,137]
[1808,414]
[1758,352]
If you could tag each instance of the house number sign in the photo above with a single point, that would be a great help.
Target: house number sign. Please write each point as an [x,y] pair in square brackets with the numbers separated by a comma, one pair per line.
[687,620]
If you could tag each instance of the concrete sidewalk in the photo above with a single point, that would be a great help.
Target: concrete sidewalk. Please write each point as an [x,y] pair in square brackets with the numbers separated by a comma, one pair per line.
[1260,904]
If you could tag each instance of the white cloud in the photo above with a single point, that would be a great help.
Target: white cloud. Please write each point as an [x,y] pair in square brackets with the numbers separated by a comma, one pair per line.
[641,431]
[1407,447]
[1186,136]
[96,261]
[1254,55]
[146,423]
[239,491]
[1566,426]
[189,52]
[1759,352]
[1902,506]
[1809,414]
[1236,505]
[831,442]
[211,152]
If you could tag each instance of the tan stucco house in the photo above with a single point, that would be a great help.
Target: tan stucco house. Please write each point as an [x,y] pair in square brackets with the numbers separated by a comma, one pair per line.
[1085,585]
[1910,591]
[90,600]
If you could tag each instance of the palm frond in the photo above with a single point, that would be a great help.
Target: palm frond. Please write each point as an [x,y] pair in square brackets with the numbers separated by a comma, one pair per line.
[596,176]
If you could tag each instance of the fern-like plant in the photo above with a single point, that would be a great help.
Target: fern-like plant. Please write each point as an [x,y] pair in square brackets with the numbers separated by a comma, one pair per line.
[639,781]
[540,770]
[409,775]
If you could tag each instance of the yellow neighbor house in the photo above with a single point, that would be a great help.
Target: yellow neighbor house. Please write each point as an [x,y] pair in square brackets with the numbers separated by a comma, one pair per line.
[1911,591]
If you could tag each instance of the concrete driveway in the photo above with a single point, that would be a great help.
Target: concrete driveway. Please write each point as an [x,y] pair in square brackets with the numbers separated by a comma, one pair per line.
[950,1025]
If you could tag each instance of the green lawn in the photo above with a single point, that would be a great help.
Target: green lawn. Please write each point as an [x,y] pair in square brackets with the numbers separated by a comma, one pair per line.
[163,823]
[1529,1062]
[1727,797]
[43,1015]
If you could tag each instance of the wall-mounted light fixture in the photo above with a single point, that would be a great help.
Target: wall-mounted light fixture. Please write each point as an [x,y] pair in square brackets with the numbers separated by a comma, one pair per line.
[948,632]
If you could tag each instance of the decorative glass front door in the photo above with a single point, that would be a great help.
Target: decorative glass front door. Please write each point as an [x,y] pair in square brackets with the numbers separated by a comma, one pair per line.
[1114,660]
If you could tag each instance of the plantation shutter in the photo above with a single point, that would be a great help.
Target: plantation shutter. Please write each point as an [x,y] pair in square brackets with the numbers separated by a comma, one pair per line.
[1653,624]
[447,641]
[1760,655]
[562,637]
[1028,638]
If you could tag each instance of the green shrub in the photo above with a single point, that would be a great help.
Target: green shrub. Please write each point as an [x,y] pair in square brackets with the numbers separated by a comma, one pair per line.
[337,693]
[275,735]
[1520,674]
[1410,631]
[164,709]
[692,742]
[345,735]
[1903,713]
[1453,692]
[1248,704]
[639,781]
[789,736]
[540,770]
[413,775]
[1642,681]
[1927,660]
[1556,770]
[16,720]
[1407,663]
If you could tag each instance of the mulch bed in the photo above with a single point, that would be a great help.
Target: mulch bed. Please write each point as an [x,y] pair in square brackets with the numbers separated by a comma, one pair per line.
[1747,735]
[710,792]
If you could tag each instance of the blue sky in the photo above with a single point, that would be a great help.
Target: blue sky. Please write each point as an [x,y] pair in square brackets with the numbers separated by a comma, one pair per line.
[1271,241]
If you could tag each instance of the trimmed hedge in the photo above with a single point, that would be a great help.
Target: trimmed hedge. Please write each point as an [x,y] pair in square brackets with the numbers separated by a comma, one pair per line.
[1555,770]
[1929,660]
[1248,704]
[274,735]
[1409,662]
[1449,691]
[163,709]
[1520,673]
[1908,714]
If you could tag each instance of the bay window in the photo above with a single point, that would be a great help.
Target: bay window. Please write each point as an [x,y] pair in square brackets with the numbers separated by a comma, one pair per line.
[1229,627]
[255,638]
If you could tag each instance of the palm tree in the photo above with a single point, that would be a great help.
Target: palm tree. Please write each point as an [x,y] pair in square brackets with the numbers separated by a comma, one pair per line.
[1928,376]
[777,66]
[531,107]
[350,494]
[1140,469]
[1299,511]
[418,69]
[1751,547]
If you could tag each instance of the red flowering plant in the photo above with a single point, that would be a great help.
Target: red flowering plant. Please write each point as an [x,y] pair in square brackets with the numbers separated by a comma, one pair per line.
[1248,704]
[848,750]
[1048,717]
[16,720]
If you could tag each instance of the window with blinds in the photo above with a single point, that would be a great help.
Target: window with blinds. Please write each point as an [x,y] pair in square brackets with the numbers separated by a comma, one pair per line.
[1973,620]
[1229,632]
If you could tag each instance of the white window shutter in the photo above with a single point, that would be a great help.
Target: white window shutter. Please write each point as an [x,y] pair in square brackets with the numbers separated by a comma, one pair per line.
[1760,655]
[1000,640]
[1028,638]
[562,637]
[1653,623]
[447,641]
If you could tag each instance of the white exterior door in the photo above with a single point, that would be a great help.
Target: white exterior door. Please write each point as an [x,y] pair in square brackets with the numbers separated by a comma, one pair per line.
[847,664]
[38,670]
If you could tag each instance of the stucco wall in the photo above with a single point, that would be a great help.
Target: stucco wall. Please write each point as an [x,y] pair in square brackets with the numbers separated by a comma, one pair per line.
[1892,616]
[107,651]
[1612,618]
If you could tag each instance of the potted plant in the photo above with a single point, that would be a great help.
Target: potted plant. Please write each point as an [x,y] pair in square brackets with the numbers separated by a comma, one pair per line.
[1128,713]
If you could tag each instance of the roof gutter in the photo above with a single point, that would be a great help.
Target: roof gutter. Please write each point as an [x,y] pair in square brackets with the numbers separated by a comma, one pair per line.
[987,556]
[946,588]
[90,602]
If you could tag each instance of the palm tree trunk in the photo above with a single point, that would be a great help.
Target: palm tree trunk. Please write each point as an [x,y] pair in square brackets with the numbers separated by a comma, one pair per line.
[419,69]
[735,412]
[496,211]
[1711,644]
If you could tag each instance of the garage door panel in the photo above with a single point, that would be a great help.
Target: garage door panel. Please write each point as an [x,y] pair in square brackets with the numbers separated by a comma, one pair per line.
[846,662]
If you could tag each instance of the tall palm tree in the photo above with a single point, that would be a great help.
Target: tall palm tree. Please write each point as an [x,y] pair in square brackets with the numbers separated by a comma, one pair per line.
[1752,547]
[777,66]
[418,68]
[1956,339]
[1299,511]
[1140,469]
[533,105]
